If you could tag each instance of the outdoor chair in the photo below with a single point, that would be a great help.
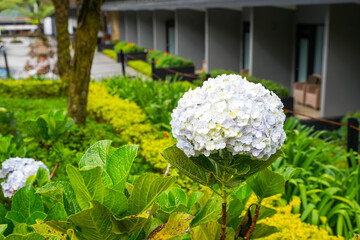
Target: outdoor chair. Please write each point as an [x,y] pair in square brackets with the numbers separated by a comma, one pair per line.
[299,92]
[312,97]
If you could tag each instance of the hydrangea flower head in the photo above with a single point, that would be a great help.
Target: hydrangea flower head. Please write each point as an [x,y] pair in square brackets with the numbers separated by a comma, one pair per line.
[228,112]
[16,171]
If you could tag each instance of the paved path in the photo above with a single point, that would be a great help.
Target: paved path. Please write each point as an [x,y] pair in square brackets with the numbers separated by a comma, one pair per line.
[18,54]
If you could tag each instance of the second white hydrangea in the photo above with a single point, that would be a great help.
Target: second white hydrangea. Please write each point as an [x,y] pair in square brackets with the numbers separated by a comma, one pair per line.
[16,171]
[228,112]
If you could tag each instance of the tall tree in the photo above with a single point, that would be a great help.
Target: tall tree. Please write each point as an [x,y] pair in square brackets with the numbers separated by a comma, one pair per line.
[62,37]
[89,13]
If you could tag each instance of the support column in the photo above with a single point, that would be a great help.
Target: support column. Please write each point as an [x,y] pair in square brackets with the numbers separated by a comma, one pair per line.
[145,29]
[159,20]
[341,84]
[223,39]
[190,35]
[115,29]
[122,26]
[131,27]
[272,34]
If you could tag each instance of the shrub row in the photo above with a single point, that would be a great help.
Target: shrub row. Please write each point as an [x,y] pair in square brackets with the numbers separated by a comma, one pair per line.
[166,60]
[31,88]
[277,88]
[128,47]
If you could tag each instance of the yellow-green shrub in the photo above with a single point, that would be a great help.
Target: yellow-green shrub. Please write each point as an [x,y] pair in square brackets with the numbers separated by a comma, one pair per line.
[119,113]
[151,147]
[141,66]
[110,53]
[31,88]
[289,224]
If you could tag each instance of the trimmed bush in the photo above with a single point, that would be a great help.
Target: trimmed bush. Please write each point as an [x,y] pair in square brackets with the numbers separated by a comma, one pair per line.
[31,88]
[110,53]
[167,60]
[140,66]
[128,47]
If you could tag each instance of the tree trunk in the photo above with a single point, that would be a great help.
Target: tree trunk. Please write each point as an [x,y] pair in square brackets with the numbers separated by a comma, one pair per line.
[85,44]
[62,38]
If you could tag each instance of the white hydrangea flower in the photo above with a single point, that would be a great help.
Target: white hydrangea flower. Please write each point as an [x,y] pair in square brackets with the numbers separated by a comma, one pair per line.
[228,112]
[16,171]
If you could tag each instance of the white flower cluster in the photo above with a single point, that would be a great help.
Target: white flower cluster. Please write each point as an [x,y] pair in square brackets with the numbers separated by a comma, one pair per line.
[16,171]
[228,112]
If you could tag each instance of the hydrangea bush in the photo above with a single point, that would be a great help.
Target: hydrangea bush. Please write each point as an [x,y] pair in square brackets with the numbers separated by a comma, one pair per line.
[16,171]
[229,131]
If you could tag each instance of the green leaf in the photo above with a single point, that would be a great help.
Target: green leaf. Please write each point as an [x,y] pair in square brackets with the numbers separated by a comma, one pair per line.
[177,225]
[63,193]
[263,230]
[244,225]
[45,230]
[147,189]
[132,223]
[177,158]
[26,207]
[30,236]
[171,199]
[40,179]
[95,222]
[3,228]
[256,165]
[57,212]
[119,164]
[264,212]
[3,220]
[210,211]
[210,231]
[290,172]
[266,184]
[194,197]
[96,155]
[88,186]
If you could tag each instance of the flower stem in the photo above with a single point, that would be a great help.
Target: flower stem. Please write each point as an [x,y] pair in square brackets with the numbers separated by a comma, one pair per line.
[223,215]
[254,220]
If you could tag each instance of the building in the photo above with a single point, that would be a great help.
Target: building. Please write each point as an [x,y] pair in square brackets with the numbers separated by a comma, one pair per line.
[281,40]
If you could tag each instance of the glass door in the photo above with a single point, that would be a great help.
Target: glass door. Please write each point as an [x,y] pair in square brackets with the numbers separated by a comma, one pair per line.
[170,37]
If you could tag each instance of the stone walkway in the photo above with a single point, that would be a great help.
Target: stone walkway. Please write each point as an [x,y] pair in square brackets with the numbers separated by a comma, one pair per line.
[18,54]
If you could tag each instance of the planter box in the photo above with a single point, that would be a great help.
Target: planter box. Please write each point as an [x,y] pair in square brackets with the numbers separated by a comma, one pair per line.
[131,56]
[161,73]
[102,46]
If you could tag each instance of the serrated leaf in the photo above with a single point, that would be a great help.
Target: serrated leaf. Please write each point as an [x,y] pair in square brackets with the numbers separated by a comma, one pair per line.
[133,223]
[257,165]
[171,199]
[177,225]
[119,164]
[263,230]
[264,212]
[2,228]
[30,236]
[88,186]
[57,212]
[194,197]
[40,179]
[210,211]
[95,155]
[210,231]
[26,207]
[147,189]
[43,229]
[95,222]
[178,158]
[266,184]
[63,193]
[244,225]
